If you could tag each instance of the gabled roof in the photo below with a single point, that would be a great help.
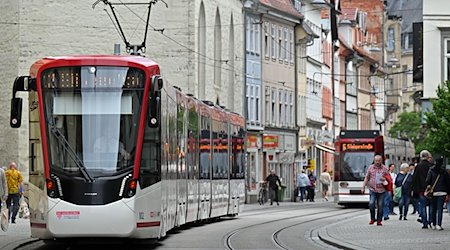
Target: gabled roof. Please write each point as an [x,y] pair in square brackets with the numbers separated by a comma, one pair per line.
[284,6]
[409,11]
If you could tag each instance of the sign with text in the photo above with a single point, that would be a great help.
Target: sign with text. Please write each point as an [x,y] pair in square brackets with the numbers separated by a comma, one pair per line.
[346,147]
[270,141]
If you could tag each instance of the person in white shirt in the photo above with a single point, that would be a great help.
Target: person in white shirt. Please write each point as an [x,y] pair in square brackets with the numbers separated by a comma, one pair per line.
[393,176]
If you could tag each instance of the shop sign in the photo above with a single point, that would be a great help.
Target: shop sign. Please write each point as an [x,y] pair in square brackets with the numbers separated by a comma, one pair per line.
[270,141]
[252,141]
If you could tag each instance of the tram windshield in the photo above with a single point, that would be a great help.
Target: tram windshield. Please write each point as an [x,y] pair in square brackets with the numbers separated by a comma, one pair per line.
[92,116]
[354,165]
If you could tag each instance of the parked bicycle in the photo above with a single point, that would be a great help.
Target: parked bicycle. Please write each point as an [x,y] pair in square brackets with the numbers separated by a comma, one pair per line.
[263,193]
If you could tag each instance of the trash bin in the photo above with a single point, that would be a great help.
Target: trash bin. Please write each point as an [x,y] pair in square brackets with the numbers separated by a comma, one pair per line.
[281,192]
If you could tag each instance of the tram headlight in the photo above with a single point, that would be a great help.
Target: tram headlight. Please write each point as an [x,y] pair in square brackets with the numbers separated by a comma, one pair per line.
[343,184]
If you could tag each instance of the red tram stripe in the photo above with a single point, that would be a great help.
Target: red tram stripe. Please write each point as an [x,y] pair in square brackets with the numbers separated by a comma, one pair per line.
[38,225]
[148,224]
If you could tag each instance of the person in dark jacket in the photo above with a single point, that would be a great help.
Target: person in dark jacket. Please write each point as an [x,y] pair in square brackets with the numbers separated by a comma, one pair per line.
[418,184]
[439,178]
[274,185]
[404,180]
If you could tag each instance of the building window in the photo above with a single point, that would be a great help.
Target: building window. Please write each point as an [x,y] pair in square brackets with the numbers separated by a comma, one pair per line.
[292,108]
[298,5]
[251,111]
[266,40]
[291,45]
[391,39]
[407,42]
[267,106]
[286,110]
[257,104]
[257,38]
[281,119]
[447,58]
[274,42]
[252,35]
[280,44]
[273,109]
[287,51]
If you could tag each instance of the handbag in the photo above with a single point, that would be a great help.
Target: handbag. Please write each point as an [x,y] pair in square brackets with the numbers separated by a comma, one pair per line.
[398,190]
[4,217]
[429,190]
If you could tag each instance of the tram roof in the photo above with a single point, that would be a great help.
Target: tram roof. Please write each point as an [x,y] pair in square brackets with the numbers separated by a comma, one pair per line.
[104,60]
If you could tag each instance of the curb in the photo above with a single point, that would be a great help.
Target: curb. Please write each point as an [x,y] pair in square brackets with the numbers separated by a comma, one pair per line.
[19,243]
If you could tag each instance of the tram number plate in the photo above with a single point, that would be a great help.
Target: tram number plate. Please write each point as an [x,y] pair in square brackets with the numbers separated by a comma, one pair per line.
[355,191]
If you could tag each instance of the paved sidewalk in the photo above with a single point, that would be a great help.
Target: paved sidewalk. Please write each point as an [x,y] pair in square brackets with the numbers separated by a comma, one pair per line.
[17,234]
[356,233]
[353,233]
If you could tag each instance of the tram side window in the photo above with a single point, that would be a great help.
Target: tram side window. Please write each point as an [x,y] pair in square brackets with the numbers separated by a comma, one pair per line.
[238,163]
[205,148]
[224,153]
[192,145]
[181,150]
[216,161]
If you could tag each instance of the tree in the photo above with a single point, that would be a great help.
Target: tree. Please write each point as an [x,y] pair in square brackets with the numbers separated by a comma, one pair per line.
[408,127]
[438,122]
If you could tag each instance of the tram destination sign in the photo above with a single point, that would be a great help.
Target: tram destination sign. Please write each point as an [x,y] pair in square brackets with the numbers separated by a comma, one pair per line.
[355,146]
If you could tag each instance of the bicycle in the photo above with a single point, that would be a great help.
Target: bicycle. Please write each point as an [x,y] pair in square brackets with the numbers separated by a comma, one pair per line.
[262,195]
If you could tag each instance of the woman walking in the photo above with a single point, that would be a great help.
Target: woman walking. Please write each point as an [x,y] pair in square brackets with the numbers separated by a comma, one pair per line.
[438,179]
[404,180]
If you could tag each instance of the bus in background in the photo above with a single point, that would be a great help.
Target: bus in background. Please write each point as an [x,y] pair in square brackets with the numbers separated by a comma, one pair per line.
[355,152]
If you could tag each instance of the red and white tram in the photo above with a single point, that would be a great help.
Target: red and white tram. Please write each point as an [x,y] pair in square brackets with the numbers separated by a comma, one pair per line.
[117,152]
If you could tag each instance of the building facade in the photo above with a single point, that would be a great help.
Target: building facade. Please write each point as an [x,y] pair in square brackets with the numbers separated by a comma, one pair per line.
[198,44]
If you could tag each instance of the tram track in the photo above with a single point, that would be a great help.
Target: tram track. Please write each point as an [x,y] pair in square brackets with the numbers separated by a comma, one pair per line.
[228,238]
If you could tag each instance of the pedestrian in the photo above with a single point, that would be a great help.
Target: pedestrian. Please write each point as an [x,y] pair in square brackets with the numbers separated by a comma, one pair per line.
[404,180]
[390,197]
[274,185]
[389,186]
[325,180]
[311,188]
[14,181]
[439,179]
[302,183]
[374,179]
[419,185]
[414,200]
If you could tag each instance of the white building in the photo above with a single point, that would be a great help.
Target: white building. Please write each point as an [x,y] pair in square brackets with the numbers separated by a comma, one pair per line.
[436,48]
[198,45]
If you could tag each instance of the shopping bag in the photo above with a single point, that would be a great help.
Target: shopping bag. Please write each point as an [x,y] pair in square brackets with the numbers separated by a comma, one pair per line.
[4,217]
[24,211]
[397,194]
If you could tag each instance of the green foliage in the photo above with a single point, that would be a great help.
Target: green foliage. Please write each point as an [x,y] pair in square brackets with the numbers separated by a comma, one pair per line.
[438,122]
[408,127]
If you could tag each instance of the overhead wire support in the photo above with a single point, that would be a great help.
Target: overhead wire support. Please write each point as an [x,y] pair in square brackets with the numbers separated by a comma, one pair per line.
[133,49]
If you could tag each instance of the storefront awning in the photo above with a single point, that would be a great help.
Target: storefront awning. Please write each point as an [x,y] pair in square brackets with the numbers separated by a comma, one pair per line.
[325,148]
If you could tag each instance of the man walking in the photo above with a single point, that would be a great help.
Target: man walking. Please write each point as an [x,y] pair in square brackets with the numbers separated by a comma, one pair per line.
[419,185]
[274,185]
[14,181]
[374,179]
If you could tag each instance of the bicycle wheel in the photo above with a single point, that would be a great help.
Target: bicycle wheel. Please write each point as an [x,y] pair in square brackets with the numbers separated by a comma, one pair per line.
[261,197]
[265,196]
